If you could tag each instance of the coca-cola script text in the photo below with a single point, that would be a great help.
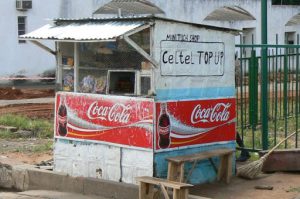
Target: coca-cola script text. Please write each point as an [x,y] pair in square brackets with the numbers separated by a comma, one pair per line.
[218,113]
[116,113]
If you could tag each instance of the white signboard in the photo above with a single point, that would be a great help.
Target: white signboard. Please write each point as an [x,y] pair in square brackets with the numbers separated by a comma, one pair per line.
[186,58]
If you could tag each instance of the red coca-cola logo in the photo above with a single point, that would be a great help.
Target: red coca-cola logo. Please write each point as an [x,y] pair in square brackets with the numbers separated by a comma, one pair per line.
[116,113]
[164,130]
[218,113]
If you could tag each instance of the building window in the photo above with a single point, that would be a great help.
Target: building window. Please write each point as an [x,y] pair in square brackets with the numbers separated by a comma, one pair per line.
[21,27]
[290,39]
[285,2]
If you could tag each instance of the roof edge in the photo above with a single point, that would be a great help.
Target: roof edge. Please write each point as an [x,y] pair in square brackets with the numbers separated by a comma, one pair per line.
[146,17]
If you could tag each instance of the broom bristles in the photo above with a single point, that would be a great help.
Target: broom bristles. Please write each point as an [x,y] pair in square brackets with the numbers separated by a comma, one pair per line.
[251,170]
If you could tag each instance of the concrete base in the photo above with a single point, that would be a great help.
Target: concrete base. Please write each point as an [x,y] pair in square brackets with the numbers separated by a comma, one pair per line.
[26,177]
[42,194]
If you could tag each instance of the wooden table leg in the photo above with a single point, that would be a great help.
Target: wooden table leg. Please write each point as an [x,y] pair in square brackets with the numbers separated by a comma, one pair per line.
[222,167]
[142,190]
[180,194]
[229,167]
[175,172]
[225,168]
[181,172]
[146,191]
[171,171]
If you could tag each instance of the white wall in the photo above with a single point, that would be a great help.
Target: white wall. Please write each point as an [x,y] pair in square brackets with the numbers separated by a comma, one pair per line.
[101,161]
[224,79]
[27,58]
[197,10]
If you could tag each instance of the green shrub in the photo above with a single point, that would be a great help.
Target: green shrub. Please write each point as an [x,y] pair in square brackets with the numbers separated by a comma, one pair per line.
[41,128]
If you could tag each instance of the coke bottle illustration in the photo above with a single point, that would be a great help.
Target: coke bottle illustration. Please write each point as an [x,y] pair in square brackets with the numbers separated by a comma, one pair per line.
[164,128]
[62,117]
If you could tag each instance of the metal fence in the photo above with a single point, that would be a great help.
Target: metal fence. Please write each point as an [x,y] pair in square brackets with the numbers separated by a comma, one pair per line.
[282,115]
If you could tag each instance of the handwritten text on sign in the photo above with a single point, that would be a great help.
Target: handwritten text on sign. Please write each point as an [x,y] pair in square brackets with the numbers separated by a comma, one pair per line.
[192,58]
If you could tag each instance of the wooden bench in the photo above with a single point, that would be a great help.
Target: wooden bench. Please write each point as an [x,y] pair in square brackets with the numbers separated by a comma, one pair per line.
[224,172]
[146,188]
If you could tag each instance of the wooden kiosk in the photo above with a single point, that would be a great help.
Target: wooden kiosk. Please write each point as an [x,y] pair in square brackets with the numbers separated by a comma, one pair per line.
[136,92]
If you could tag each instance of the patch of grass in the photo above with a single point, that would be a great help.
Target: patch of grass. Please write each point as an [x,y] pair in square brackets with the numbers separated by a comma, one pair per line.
[277,132]
[41,128]
[35,148]
[43,147]
[6,135]
[294,189]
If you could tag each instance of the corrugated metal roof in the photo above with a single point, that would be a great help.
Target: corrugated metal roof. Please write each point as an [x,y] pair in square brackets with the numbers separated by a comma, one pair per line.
[83,30]
[97,29]
[109,18]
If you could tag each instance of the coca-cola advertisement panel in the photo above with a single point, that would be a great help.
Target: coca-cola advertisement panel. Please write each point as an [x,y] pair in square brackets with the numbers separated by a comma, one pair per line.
[112,119]
[188,123]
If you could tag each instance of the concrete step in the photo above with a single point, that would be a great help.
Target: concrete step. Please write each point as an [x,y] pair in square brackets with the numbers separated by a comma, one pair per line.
[26,177]
[45,194]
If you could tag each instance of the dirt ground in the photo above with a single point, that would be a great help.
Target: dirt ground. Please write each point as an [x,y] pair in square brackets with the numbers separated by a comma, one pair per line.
[42,110]
[11,148]
[28,158]
[12,94]
[285,186]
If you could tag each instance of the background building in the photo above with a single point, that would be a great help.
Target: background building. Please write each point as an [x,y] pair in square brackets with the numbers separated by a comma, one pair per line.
[18,57]
[23,58]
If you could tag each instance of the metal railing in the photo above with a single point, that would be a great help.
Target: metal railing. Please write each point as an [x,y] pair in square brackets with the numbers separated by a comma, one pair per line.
[281,116]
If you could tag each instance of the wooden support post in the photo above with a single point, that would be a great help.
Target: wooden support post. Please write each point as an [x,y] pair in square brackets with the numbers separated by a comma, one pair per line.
[176,172]
[229,168]
[146,191]
[225,168]
[180,194]
[222,167]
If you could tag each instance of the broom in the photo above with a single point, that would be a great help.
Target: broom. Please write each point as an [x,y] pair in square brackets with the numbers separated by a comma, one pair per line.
[254,168]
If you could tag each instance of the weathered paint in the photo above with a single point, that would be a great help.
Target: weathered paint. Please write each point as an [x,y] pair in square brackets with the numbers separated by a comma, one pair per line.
[86,159]
[194,93]
[203,171]
[115,160]
[104,118]
[201,122]
[173,83]
[207,81]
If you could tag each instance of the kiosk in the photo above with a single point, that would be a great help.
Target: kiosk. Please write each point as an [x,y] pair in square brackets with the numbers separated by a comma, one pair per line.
[135,91]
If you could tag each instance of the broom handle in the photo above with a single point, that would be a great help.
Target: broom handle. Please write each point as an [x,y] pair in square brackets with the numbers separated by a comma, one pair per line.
[275,147]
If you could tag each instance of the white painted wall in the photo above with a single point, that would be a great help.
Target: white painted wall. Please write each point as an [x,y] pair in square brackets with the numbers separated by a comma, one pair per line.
[225,79]
[26,58]
[101,161]
[197,10]
[16,57]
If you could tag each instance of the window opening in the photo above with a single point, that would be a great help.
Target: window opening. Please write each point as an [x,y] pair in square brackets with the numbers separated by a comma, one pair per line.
[121,82]
[21,27]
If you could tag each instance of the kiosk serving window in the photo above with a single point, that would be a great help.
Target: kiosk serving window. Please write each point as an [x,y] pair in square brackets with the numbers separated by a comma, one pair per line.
[107,67]
[122,82]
